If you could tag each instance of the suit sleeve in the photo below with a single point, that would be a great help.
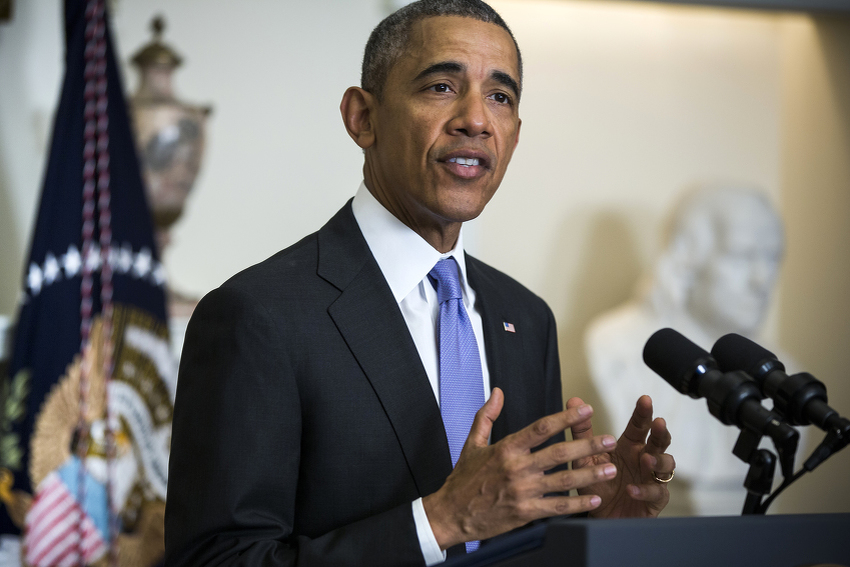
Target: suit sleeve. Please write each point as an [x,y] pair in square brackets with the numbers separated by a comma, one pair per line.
[235,454]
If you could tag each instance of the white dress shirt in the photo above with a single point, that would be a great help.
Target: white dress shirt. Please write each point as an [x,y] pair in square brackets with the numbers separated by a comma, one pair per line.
[405,259]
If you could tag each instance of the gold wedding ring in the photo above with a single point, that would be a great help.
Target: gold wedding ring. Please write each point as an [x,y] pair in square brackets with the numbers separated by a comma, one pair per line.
[663,480]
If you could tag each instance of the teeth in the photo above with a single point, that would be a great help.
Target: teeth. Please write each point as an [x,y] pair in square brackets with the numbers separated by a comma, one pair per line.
[465,161]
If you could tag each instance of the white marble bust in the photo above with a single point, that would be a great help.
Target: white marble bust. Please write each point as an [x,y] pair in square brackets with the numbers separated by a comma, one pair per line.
[715,275]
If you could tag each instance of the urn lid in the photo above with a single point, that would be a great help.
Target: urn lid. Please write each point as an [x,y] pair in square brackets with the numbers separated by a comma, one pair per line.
[156,53]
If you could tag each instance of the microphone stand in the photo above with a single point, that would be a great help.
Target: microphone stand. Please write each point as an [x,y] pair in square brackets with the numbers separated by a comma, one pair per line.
[836,439]
[760,476]
[762,462]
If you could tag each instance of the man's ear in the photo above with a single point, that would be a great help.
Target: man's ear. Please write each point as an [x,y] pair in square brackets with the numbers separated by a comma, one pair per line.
[357,108]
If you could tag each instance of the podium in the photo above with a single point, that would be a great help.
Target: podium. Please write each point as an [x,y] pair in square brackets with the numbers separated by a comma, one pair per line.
[727,541]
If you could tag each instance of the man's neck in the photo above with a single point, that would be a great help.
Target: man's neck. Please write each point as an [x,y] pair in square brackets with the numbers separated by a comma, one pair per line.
[442,240]
[441,235]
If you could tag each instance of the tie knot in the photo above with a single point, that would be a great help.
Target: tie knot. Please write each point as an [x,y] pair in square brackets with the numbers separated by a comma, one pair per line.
[444,276]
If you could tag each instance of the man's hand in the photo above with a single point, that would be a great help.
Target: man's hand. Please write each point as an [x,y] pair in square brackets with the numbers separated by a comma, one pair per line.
[496,488]
[634,492]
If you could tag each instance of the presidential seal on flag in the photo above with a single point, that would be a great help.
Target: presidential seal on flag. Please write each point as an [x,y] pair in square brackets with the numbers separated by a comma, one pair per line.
[140,413]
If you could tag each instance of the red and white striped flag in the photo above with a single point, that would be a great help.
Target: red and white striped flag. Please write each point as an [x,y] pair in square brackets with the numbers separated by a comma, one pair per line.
[54,526]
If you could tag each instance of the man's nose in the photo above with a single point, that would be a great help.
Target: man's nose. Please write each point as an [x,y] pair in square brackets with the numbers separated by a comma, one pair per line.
[472,116]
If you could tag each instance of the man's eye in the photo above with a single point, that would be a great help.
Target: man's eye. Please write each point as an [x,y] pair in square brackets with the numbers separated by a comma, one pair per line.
[501,98]
[441,88]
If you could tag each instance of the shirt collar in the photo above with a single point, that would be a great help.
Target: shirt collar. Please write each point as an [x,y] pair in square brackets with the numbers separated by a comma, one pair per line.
[404,257]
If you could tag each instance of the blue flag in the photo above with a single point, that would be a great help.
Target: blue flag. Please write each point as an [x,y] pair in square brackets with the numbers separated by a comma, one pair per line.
[89,395]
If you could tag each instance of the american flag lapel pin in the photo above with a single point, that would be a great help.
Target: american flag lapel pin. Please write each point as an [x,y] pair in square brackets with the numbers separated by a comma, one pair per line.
[509,327]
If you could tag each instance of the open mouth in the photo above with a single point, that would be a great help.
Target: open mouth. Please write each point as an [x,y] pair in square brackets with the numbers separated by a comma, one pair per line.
[466,162]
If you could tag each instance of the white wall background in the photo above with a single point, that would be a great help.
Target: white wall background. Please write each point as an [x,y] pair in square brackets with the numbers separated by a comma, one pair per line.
[621,102]
[279,163]
[624,105]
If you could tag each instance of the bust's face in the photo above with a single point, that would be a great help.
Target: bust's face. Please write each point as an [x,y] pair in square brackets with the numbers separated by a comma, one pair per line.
[731,292]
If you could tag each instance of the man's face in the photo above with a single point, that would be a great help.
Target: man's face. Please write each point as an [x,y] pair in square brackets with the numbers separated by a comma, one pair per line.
[447,123]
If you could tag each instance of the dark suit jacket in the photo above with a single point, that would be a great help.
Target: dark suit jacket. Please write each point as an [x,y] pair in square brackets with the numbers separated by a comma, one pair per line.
[305,424]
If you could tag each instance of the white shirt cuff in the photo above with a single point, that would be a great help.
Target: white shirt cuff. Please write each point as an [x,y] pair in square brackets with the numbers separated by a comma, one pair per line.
[427,542]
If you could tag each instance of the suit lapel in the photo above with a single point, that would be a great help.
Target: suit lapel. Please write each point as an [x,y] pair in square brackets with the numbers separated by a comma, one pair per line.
[372,326]
[504,349]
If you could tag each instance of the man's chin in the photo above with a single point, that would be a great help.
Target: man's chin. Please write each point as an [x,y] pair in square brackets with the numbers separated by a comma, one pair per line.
[461,214]
[462,203]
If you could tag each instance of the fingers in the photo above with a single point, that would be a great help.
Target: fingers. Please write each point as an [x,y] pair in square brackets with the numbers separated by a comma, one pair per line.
[572,451]
[640,422]
[653,457]
[560,506]
[659,437]
[655,494]
[661,465]
[546,427]
[664,466]
[582,429]
[482,425]
[563,481]
[496,488]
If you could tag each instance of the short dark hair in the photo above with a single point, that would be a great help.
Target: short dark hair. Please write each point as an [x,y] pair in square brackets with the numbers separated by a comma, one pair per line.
[390,37]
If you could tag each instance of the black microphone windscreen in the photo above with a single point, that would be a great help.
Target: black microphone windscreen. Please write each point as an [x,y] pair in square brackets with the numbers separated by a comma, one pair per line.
[673,357]
[734,352]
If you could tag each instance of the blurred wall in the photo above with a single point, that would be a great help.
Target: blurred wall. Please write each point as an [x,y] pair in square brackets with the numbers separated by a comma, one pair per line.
[278,161]
[30,67]
[624,105]
[814,307]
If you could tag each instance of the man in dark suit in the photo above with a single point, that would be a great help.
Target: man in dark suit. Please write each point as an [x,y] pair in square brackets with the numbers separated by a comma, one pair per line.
[306,430]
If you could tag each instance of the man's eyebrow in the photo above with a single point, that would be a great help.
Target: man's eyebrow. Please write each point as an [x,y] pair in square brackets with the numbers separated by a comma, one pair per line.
[441,67]
[506,80]
[500,77]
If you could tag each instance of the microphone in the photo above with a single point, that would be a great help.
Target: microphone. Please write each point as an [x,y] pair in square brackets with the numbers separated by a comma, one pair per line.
[732,397]
[801,398]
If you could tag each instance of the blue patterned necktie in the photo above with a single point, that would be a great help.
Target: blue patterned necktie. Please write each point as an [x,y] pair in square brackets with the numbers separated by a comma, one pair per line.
[461,381]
